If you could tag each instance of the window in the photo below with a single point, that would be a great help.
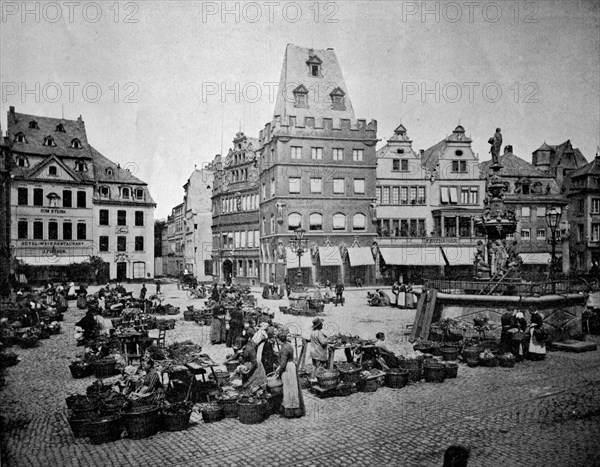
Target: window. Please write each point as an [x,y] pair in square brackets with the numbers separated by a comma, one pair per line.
[104,192]
[236,236]
[385,197]
[38,197]
[20,138]
[459,166]
[33,125]
[121,217]
[359,186]
[339,221]
[403,195]
[139,218]
[316,153]
[338,186]
[22,229]
[22,161]
[357,155]
[53,230]
[104,217]
[139,193]
[264,191]
[53,200]
[49,141]
[315,221]
[301,96]
[103,243]
[413,195]
[595,205]
[337,99]
[444,194]
[595,232]
[525,234]
[139,243]
[121,243]
[296,152]
[294,221]
[81,231]
[458,152]
[453,192]
[580,232]
[294,184]
[67,230]
[60,128]
[378,194]
[272,187]
[38,230]
[273,223]
[125,193]
[580,206]
[541,234]
[22,196]
[395,195]
[525,211]
[52,170]
[75,143]
[338,154]
[359,221]
[109,171]
[316,185]
[81,201]
[474,195]
[464,196]
[421,195]
[314,70]
[243,239]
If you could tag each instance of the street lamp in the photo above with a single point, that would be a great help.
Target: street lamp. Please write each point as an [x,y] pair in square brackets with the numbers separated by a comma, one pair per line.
[553,216]
[299,250]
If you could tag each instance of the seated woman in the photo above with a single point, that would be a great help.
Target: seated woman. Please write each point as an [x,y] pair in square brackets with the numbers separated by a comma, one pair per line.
[386,353]
[149,390]
[88,324]
[293,402]
[385,298]
[373,298]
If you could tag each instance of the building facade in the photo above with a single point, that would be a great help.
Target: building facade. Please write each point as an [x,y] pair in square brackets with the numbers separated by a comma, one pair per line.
[235,221]
[558,160]
[176,242]
[5,218]
[317,172]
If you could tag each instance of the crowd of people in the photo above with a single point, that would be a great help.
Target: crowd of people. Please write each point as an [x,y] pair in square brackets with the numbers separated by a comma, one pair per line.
[403,296]
[521,339]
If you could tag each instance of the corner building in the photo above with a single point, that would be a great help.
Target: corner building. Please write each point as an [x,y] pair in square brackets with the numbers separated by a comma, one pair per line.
[317,172]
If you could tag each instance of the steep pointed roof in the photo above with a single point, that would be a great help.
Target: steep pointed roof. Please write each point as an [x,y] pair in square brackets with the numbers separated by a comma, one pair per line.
[566,150]
[296,72]
[431,156]
[593,168]
[513,166]
[544,147]
[119,174]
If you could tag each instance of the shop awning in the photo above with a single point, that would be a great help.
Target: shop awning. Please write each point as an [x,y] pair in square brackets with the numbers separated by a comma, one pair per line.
[360,256]
[535,258]
[458,256]
[427,256]
[330,256]
[52,261]
[292,259]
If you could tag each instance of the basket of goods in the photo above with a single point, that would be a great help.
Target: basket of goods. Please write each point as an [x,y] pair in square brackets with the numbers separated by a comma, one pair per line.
[171,310]
[28,341]
[84,407]
[343,390]
[141,422]
[451,369]
[507,360]
[449,352]
[113,403]
[220,376]
[327,379]
[212,413]
[79,426]
[436,349]
[228,401]
[471,356]
[176,417]
[104,429]
[434,372]
[104,368]
[397,378]
[80,370]
[489,344]
[349,373]
[414,367]
[487,358]
[232,365]
[423,347]
[274,384]
[251,410]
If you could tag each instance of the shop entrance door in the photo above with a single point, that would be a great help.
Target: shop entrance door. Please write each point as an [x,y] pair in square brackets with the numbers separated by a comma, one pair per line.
[121,271]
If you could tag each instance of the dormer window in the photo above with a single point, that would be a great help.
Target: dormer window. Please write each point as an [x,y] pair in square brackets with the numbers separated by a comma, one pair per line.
[20,138]
[75,143]
[458,152]
[104,192]
[337,99]
[52,170]
[314,66]
[80,166]
[109,171]
[22,161]
[49,141]
[301,96]
[60,128]
[400,151]
[33,125]
[139,193]
[314,70]
[125,193]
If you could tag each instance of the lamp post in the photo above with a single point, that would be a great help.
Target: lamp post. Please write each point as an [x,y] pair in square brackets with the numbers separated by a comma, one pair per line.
[553,216]
[298,247]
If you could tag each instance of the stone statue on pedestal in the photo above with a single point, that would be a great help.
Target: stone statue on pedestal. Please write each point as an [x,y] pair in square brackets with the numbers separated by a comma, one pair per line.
[496,142]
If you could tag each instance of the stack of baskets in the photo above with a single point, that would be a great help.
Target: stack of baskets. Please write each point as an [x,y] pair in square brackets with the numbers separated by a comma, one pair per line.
[434,372]
[142,422]
[328,379]
[397,378]
[251,413]
[414,367]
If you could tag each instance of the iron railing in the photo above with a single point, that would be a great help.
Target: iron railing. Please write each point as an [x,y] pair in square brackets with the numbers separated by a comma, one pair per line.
[523,289]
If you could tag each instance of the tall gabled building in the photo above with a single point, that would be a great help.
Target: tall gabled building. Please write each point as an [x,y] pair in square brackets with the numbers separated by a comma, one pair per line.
[558,160]
[318,172]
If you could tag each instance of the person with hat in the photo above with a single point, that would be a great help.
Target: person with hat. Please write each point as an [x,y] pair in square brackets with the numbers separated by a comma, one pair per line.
[293,402]
[318,346]
[149,389]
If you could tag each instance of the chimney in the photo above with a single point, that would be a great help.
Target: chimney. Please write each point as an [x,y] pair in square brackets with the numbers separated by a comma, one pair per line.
[421,152]
[11,109]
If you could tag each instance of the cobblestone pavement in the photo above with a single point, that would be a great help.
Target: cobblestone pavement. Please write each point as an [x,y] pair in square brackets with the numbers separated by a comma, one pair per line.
[536,414]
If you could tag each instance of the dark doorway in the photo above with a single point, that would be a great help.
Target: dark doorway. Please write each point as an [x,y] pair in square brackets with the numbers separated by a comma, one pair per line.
[121,271]
[329,273]
[227,271]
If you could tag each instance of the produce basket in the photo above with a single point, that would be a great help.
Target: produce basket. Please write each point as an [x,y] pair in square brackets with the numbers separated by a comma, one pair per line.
[212,413]
[176,421]
[414,367]
[349,373]
[232,365]
[80,371]
[434,372]
[79,426]
[472,351]
[84,408]
[274,384]
[451,369]
[397,378]
[449,353]
[28,342]
[105,429]
[328,379]
[104,368]
[472,361]
[230,408]
[251,413]
[423,347]
[188,315]
[507,360]
[304,379]
[367,385]
[141,422]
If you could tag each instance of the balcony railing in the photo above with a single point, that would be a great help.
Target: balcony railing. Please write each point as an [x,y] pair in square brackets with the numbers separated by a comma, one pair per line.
[428,240]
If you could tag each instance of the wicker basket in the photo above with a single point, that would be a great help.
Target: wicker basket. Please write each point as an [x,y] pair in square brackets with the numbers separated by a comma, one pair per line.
[349,376]
[251,414]
[84,408]
[397,378]
[507,361]
[367,385]
[176,421]
[104,368]
[304,379]
[28,342]
[434,372]
[141,422]
[79,426]
[449,353]
[451,369]
[328,379]
[80,371]
[230,408]
[343,390]
[488,362]
[188,315]
[274,384]
[212,413]
[470,352]
[414,367]
[423,347]
[105,429]
[232,365]
[221,376]
[472,361]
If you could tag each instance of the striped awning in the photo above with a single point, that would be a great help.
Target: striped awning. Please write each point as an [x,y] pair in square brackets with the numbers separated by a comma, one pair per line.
[291,259]
[330,256]
[428,256]
[360,256]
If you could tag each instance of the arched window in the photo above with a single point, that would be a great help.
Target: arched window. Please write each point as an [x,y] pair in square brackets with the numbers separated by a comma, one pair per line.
[53,200]
[22,161]
[80,166]
[359,221]
[20,138]
[339,221]
[109,171]
[125,193]
[139,193]
[294,221]
[104,192]
[49,141]
[75,143]
[33,125]
[315,221]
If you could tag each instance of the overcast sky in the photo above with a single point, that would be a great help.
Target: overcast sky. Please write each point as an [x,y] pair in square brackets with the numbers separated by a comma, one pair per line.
[163,69]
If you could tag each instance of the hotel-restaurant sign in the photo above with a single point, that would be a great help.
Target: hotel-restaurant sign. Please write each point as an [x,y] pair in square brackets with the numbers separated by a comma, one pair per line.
[54,248]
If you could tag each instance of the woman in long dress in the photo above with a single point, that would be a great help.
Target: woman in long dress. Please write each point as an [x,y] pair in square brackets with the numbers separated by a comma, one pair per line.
[217,328]
[293,401]
[538,337]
